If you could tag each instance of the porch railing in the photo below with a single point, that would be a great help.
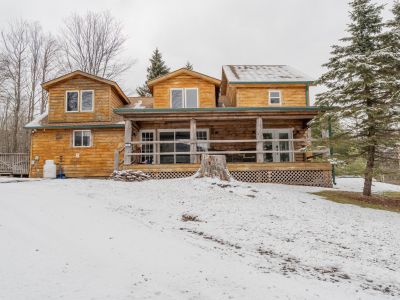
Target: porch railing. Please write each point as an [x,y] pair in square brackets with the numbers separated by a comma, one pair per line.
[14,163]
[259,149]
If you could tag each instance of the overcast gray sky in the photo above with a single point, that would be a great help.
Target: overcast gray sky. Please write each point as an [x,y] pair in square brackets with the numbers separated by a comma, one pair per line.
[209,33]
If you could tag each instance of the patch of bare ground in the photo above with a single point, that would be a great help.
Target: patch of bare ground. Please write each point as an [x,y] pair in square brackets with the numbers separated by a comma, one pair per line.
[385,201]
[211,238]
[190,218]
[289,264]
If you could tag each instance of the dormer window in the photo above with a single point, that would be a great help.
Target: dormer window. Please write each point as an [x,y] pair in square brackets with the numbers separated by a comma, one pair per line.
[275,97]
[72,99]
[87,100]
[184,98]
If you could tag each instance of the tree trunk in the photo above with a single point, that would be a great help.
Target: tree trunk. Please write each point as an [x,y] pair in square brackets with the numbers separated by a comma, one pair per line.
[213,166]
[369,171]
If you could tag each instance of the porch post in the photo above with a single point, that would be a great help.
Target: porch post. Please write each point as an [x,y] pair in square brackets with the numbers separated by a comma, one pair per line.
[259,138]
[193,141]
[128,140]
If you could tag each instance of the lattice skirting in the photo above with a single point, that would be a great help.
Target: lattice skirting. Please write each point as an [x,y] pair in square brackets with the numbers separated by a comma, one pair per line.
[321,178]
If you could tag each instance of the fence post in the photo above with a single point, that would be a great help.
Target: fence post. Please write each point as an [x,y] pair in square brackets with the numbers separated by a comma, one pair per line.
[259,138]
[128,140]
[116,160]
[193,141]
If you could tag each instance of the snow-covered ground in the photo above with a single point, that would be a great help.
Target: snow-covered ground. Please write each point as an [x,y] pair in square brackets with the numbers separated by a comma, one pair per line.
[100,239]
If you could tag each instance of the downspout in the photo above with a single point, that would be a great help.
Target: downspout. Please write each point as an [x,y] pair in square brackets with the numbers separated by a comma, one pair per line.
[307,95]
[331,149]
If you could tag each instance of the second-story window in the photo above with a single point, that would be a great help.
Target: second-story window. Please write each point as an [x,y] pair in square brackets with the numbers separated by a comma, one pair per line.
[72,101]
[87,100]
[184,98]
[275,97]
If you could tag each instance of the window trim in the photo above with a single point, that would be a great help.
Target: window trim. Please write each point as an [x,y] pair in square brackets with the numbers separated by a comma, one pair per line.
[66,101]
[153,131]
[197,96]
[184,96]
[290,132]
[280,97]
[81,101]
[82,130]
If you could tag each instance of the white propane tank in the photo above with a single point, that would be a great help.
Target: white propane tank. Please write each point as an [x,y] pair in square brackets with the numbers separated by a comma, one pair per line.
[49,169]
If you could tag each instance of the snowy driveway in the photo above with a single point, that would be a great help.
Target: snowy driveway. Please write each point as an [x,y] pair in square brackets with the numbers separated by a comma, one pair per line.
[97,239]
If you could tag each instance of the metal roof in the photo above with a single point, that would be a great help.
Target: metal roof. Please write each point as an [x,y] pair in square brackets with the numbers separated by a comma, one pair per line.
[264,74]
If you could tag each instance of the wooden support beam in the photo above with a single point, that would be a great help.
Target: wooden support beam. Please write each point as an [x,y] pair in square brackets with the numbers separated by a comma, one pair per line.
[259,138]
[128,144]
[116,160]
[193,141]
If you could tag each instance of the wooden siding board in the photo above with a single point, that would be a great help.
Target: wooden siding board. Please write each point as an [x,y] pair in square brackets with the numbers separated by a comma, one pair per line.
[93,161]
[258,96]
[105,101]
[161,91]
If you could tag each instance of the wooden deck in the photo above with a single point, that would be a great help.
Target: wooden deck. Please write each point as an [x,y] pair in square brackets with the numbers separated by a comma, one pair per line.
[14,164]
[296,173]
[323,166]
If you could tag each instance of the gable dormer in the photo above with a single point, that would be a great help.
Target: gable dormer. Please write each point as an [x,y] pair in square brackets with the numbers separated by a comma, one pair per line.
[82,97]
[184,88]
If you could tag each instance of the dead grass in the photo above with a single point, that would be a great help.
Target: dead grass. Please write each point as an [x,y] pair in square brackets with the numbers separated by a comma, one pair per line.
[190,218]
[386,201]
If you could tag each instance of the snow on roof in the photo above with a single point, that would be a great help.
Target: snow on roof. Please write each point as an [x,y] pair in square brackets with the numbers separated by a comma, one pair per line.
[264,74]
[37,121]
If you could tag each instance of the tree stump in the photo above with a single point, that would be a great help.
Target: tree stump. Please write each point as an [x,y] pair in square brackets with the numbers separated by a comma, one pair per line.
[213,166]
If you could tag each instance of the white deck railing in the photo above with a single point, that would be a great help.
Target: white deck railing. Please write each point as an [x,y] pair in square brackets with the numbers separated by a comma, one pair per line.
[306,147]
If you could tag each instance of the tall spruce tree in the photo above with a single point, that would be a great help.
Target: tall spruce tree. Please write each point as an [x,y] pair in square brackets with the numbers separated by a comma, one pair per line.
[354,93]
[189,66]
[157,68]
[389,61]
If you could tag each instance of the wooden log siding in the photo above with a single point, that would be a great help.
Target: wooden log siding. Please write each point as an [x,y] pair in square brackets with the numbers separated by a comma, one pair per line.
[206,91]
[14,163]
[105,100]
[256,96]
[94,161]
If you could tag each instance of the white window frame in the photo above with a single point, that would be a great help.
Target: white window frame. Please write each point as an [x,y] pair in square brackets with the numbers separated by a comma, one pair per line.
[66,101]
[184,96]
[274,132]
[82,130]
[280,97]
[81,101]
[153,131]
[174,130]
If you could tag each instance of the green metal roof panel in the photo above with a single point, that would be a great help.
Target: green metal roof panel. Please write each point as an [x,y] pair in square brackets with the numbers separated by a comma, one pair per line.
[76,126]
[215,109]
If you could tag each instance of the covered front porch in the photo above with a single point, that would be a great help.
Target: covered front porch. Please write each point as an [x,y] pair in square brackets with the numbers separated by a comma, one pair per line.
[260,145]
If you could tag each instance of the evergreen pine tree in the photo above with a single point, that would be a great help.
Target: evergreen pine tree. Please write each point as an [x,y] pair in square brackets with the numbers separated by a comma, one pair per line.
[354,92]
[389,80]
[189,66]
[157,68]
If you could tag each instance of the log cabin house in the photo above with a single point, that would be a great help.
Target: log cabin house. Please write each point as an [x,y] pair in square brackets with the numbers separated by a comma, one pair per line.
[256,115]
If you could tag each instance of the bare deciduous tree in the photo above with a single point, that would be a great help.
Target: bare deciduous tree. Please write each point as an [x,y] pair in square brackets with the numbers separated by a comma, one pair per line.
[48,66]
[13,59]
[93,43]
[35,49]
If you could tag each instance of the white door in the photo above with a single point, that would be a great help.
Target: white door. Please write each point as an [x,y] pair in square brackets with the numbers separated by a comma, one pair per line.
[279,148]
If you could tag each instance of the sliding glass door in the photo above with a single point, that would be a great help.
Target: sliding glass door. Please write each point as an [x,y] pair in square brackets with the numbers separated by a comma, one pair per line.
[178,153]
